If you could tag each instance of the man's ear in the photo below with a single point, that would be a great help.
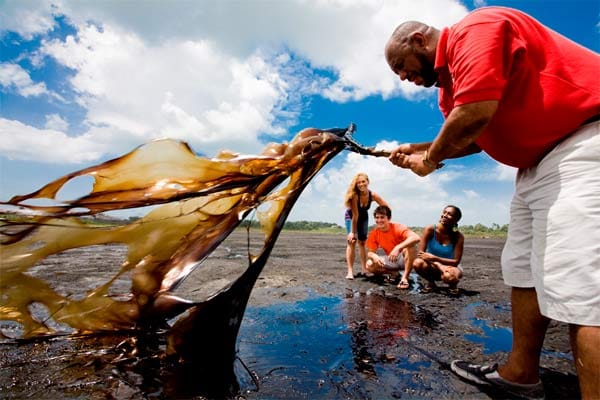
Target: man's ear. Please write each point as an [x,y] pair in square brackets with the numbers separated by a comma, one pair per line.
[418,39]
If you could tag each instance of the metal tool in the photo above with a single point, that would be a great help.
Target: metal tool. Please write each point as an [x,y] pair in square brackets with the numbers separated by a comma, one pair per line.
[356,147]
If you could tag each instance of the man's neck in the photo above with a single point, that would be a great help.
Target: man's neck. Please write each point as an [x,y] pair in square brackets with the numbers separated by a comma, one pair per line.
[385,227]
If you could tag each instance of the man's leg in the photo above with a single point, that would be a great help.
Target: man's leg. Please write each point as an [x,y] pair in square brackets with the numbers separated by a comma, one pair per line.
[409,254]
[529,330]
[585,341]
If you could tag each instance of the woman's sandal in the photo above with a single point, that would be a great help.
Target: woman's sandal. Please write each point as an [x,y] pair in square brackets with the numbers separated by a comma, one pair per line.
[428,288]
[403,284]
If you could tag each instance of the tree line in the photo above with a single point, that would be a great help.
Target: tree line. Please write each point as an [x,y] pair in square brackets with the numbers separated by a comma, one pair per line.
[495,230]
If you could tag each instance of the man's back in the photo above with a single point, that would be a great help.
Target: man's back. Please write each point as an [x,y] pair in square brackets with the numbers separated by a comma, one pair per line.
[546,84]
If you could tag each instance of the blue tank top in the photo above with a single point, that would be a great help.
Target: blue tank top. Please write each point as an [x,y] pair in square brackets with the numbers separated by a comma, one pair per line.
[437,249]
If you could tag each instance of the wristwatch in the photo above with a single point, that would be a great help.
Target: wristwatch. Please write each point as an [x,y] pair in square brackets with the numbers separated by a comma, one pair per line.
[428,163]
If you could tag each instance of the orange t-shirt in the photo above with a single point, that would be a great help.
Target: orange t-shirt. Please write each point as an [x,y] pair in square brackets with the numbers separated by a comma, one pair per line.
[387,240]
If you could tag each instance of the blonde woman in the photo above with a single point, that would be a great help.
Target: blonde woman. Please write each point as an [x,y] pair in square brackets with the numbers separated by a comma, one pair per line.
[358,201]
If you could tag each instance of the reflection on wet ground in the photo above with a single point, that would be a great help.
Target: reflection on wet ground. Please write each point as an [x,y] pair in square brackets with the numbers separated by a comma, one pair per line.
[493,338]
[366,345]
[363,346]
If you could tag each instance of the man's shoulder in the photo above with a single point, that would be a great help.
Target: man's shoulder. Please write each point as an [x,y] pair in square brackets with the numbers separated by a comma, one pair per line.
[492,14]
[398,227]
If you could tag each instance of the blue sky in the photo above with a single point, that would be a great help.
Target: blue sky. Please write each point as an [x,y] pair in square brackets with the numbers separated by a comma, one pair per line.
[83,82]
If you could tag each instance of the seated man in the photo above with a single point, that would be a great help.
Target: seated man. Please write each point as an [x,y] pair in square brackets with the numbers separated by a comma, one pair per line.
[397,241]
[440,252]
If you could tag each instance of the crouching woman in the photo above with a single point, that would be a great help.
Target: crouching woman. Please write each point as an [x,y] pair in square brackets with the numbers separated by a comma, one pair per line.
[440,252]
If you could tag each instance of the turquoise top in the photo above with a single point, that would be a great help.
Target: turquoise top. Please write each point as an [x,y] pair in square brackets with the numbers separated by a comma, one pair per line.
[437,249]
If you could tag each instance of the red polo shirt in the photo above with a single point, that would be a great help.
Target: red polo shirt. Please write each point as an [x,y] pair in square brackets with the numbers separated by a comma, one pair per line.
[546,84]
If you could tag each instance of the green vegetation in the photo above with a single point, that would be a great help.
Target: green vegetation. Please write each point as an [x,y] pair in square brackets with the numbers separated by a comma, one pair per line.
[478,230]
[311,226]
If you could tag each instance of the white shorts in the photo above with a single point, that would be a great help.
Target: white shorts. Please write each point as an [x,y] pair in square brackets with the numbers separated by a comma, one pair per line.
[553,239]
[393,266]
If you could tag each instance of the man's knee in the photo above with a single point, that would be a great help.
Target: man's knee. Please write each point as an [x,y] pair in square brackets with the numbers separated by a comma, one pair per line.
[419,264]
[369,265]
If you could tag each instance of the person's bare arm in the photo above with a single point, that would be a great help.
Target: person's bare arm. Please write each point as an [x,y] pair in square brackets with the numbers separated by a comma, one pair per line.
[456,138]
[379,199]
[458,249]
[352,235]
[374,257]
[411,240]
[425,236]
[460,130]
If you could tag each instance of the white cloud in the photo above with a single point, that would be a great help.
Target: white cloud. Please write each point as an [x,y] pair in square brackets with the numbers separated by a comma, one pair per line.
[14,77]
[412,199]
[219,75]
[27,17]
[186,90]
[216,73]
[415,201]
[471,194]
[20,141]
[56,122]
[505,173]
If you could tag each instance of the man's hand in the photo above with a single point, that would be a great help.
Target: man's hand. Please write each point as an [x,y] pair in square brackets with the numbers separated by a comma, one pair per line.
[377,260]
[412,161]
[393,256]
[404,148]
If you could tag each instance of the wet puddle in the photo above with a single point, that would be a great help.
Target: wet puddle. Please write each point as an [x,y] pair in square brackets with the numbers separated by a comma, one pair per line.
[358,347]
[366,345]
[492,338]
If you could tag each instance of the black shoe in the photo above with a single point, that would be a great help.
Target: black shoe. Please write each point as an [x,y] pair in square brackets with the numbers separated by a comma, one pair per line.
[487,375]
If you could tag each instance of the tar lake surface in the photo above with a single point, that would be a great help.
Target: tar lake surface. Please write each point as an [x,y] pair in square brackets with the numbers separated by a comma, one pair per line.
[307,334]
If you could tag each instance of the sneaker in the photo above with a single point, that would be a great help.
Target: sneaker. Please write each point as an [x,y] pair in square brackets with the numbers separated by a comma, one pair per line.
[487,375]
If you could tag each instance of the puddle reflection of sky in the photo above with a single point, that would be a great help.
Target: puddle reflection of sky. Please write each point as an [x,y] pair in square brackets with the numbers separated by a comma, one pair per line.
[361,346]
[327,346]
[493,339]
[496,339]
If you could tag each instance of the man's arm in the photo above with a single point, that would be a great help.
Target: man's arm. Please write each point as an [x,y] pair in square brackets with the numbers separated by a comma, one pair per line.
[374,257]
[411,239]
[456,138]
[464,124]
